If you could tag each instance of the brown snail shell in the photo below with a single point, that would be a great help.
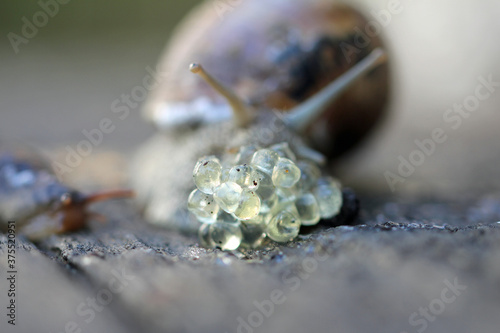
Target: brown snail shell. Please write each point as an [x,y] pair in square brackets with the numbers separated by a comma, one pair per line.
[275,54]
[287,61]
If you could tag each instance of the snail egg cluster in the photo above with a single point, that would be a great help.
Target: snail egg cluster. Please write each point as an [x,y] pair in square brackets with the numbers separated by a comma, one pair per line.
[259,193]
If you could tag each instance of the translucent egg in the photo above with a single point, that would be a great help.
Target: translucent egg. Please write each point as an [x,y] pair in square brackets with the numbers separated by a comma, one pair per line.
[244,175]
[204,236]
[259,193]
[224,217]
[286,196]
[224,174]
[328,194]
[203,206]
[308,209]
[284,150]
[266,205]
[285,202]
[285,173]
[309,175]
[261,219]
[228,196]
[226,236]
[265,160]
[207,174]
[249,206]
[265,188]
[245,154]
[253,235]
[283,227]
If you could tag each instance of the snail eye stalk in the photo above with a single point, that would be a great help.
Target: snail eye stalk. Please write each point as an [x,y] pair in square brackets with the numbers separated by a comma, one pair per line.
[74,207]
[72,198]
[301,117]
[242,113]
[101,196]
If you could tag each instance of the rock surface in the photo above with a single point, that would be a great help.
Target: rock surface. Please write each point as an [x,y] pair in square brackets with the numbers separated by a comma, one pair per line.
[410,266]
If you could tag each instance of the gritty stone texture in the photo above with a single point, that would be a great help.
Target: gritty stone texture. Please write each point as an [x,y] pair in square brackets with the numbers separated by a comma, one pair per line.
[366,278]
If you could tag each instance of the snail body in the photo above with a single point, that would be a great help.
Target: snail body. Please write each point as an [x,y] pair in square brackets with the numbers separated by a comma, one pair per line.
[285,81]
[33,197]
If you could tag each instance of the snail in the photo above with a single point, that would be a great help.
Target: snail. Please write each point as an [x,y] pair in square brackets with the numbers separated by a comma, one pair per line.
[296,77]
[33,197]
[276,54]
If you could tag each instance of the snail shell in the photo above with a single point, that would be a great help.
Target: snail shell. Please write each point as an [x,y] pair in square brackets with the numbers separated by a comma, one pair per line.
[275,54]
[291,54]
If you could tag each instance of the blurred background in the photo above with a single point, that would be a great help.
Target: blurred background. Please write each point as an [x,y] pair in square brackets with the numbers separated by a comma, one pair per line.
[65,78]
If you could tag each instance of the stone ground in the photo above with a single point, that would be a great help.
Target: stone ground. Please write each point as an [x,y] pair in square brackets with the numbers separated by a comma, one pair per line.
[411,266]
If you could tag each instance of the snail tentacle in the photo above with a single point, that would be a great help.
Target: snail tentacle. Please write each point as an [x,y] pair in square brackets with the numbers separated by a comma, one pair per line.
[302,116]
[242,113]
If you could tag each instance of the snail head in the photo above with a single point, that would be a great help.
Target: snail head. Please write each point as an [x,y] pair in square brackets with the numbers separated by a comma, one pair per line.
[72,207]
[302,116]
